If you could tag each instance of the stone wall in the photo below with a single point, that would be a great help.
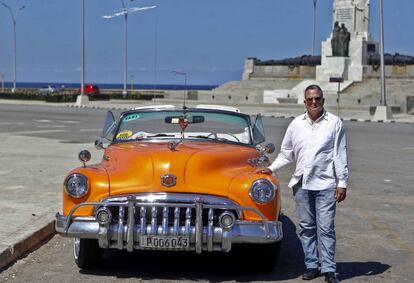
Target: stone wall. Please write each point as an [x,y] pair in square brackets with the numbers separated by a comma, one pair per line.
[279,71]
[391,71]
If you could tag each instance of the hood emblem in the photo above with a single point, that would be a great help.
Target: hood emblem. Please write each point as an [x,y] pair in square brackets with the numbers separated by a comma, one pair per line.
[168,180]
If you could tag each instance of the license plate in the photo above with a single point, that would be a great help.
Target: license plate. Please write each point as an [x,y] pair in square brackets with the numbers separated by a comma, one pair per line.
[164,242]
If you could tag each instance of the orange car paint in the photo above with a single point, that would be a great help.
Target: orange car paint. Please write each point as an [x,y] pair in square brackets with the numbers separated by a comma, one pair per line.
[200,167]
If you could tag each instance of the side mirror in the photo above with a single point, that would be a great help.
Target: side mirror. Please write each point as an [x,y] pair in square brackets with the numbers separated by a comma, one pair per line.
[99,144]
[269,148]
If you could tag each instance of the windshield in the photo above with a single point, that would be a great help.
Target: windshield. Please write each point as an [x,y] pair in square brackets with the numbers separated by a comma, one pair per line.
[190,125]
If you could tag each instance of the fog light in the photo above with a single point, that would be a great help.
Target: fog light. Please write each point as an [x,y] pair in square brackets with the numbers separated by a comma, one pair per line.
[103,215]
[84,156]
[227,220]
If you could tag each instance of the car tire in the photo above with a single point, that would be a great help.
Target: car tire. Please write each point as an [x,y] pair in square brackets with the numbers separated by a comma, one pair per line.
[87,253]
[262,257]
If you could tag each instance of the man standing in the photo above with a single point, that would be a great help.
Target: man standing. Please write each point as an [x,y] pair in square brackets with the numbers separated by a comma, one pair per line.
[316,142]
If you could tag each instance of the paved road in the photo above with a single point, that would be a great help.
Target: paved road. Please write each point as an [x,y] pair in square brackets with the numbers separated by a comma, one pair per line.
[375,225]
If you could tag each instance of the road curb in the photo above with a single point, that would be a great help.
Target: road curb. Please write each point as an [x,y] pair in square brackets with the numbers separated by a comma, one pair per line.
[26,245]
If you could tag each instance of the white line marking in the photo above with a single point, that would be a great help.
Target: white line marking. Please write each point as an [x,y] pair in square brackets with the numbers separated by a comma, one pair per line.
[70,122]
[51,126]
[32,132]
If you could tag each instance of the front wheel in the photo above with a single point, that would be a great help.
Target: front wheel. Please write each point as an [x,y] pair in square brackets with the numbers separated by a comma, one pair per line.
[87,253]
[261,257]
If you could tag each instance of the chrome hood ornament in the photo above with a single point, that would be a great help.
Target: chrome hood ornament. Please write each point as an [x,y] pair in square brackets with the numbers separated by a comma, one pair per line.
[172,145]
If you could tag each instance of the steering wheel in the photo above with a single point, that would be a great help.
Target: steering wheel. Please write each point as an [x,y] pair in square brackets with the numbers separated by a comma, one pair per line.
[217,138]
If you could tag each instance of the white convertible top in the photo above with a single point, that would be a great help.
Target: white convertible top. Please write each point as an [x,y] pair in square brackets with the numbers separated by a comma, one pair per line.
[218,107]
[155,107]
[200,106]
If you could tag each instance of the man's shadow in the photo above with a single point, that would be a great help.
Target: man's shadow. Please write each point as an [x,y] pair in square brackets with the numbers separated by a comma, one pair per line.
[348,270]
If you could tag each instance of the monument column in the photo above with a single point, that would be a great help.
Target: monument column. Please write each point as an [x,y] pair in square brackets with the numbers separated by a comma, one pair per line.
[354,16]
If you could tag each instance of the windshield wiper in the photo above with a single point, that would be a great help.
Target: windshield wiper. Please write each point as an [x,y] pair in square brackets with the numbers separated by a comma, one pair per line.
[214,138]
[160,135]
[202,137]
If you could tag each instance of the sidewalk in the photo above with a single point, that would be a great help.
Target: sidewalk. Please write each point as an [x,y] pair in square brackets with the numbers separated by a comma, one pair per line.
[30,181]
[32,171]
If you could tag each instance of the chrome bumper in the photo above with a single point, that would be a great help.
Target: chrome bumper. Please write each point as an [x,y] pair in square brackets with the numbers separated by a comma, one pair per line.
[202,236]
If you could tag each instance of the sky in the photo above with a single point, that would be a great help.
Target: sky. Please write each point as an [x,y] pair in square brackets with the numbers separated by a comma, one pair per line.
[209,40]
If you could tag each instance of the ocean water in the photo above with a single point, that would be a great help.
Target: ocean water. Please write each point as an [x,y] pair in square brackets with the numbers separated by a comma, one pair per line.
[112,86]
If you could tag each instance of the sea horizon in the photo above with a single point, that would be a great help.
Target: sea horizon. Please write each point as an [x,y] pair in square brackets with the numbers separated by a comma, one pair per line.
[35,85]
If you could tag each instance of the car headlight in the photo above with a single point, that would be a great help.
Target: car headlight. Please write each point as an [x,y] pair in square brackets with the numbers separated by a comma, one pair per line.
[262,191]
[76,185]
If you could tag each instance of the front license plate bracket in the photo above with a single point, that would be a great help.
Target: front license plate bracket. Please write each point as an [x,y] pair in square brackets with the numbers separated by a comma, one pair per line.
[164,242]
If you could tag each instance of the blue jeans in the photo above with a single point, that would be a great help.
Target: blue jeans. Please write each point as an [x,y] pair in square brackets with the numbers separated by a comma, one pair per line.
[316,215]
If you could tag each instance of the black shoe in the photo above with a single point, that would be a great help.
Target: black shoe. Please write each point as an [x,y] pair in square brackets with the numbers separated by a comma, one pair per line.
[330,277]
[310,273]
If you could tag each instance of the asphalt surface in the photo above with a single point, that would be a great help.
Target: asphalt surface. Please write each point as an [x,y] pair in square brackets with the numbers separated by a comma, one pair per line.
[375,224]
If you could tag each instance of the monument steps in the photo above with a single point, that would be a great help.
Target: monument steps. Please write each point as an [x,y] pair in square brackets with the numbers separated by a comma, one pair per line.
[256,85]
[285,107]
[368,92]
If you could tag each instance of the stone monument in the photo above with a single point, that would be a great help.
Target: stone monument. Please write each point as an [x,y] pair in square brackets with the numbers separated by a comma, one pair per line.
[345,52]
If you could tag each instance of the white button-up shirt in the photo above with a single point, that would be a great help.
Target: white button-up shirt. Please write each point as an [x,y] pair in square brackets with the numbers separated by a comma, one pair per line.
[319,149]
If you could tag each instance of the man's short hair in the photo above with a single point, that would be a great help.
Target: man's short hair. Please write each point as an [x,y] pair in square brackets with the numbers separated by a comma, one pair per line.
[311,87]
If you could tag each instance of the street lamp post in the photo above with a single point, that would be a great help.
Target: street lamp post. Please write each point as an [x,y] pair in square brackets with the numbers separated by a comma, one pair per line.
[383,90]
[338,80]
[132,82]
[314,27]
[82,47]
[82,99]
[13,17]
[185,81]
[124,12]
[383,111]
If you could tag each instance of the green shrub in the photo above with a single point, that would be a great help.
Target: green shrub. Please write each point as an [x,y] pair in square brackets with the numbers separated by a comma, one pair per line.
[61,98]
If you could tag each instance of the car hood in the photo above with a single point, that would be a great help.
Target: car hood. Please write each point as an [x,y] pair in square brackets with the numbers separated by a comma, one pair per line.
[199,167]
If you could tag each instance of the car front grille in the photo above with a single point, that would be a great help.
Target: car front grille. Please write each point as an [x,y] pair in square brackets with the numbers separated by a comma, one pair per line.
[171,216]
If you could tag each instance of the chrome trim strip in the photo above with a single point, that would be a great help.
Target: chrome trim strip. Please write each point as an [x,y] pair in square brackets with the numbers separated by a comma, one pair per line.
[120,239]
[199,226]
[210,230]
[154,230]
[176,226]
[187,221]
[143,212]
[165,221]
[131,224]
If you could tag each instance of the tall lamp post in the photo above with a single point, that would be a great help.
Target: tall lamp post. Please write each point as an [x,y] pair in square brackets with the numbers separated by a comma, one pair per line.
[383,111]
[314,27]
[132,82]
[124,12]
[82,99]
[13,17]
[185,81]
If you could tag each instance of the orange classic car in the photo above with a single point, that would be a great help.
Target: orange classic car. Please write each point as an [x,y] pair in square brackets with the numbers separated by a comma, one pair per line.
[174,178]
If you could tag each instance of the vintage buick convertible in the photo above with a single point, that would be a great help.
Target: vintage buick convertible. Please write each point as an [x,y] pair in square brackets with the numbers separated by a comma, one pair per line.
[174,178]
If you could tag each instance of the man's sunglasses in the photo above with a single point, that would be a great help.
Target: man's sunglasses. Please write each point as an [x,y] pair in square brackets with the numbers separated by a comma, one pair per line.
[310,99]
